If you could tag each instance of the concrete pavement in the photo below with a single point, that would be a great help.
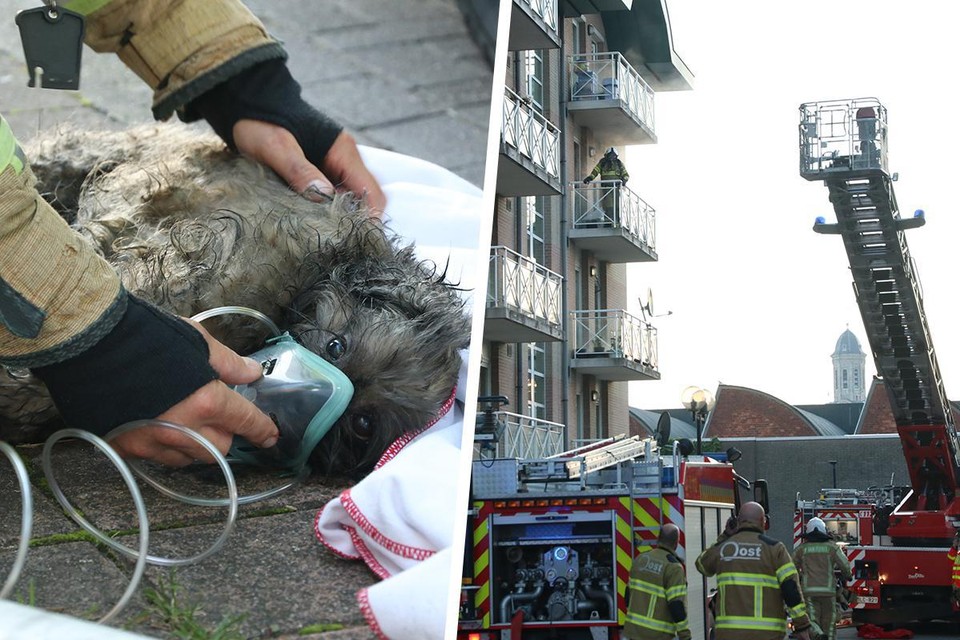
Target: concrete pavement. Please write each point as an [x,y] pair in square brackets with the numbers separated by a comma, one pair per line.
[402,75]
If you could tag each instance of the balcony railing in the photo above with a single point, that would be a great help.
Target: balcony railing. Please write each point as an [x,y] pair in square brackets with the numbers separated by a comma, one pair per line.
[546,10]
[608,204]
[530,134]
[525,437]
[614,333]
[519,283]
[608,76]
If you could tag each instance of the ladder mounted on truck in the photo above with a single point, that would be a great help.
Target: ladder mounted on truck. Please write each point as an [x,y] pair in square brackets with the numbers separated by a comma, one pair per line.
[844,144]
[602,454]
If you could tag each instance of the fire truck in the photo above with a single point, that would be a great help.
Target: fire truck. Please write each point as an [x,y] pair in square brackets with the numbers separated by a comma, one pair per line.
[551,541]
[898,552]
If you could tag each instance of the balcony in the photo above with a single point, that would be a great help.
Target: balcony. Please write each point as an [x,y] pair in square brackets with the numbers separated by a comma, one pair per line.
[525,437]
[611,344]
[533,25]
[612,222]
[608,96]
[529,151]
[523,300]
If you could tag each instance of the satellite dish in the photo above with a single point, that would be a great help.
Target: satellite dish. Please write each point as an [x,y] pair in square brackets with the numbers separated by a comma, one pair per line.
[662,434]
[646,308]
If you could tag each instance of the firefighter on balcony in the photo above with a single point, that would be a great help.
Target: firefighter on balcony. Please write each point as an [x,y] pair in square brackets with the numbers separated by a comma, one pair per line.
[613,175]
[818,559]
[756,578]
[657,607]
[954,557]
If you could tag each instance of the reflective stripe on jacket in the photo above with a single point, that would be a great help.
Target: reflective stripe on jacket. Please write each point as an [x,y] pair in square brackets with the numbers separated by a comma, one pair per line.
[610,169]
[756,580]
[954,556]
[656,579]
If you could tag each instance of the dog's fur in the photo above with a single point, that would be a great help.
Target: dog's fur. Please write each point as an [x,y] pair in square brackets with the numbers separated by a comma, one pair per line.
[191,226]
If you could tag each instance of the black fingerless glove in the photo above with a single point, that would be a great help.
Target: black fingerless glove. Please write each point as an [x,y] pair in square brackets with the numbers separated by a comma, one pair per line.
[265,91]
[148,363]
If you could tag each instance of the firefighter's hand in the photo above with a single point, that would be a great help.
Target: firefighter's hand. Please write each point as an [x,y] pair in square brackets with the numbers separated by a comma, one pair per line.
[277,148]
[586,181]
[214,411]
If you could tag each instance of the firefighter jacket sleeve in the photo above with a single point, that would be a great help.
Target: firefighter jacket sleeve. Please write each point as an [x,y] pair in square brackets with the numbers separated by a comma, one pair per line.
[180,49]
[65,316]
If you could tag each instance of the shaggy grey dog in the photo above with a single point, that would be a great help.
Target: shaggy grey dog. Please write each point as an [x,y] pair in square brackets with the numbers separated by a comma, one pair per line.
[191,226]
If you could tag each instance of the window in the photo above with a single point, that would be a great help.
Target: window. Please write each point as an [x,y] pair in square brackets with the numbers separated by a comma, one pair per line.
[533,209]
[846,385]
[856,378]
[533,66]
[536,381]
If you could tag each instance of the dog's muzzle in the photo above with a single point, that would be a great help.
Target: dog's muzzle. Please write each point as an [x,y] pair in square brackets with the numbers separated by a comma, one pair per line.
[302,393]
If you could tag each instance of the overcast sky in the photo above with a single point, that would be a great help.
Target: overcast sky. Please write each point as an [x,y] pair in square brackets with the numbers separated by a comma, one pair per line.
[759,299]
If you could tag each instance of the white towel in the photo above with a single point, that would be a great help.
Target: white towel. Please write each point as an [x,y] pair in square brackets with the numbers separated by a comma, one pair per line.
[400,519]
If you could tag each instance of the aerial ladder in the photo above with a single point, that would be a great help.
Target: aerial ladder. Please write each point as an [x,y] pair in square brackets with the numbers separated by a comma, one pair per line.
[844,144]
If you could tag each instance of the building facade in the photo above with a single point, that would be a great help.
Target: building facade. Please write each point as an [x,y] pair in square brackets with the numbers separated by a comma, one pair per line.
[559,344]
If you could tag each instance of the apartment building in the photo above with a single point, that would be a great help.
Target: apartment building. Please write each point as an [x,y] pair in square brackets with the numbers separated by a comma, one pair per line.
[559,344]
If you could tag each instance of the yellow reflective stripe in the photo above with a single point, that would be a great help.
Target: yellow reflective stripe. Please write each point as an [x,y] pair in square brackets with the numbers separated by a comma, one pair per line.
[747,580]
[786,571]
[679,591]
[85,7]
[651,623]
[11,155]
[646,587]
[756,623]
[797,611]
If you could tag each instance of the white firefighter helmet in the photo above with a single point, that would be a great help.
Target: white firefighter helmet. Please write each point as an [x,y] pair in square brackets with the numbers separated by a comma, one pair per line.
[816,524]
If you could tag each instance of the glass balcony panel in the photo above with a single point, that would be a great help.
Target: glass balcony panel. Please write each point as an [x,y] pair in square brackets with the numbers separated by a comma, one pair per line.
[605,82]
[522,288]
[615,345]
[613,222]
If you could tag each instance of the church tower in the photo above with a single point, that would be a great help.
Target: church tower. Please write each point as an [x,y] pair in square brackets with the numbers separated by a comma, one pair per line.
[848,369]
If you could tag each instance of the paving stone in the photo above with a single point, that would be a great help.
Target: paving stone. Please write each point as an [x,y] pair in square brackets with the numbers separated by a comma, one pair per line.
[47,517]
[72,578]
[274,571]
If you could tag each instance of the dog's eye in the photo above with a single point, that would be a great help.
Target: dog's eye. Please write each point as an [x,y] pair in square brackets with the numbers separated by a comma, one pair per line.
[336,349]
[363,426]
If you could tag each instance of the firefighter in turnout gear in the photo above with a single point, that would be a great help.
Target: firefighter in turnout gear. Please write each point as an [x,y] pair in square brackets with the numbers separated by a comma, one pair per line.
[755,578]
[817,558]
[658,592]
[613,175]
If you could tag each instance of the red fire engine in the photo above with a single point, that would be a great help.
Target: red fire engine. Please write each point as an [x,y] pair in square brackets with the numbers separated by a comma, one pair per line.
[551,541]
[898,554]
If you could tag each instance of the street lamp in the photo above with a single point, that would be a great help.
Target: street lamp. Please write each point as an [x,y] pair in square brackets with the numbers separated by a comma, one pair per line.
[699,402]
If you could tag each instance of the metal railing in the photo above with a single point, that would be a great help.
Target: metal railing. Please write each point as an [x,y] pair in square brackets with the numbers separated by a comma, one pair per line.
[525,437]
[609,204]
[614,333]
[608,76]
[843,135]
[530,133]
[546,9]
[519,283]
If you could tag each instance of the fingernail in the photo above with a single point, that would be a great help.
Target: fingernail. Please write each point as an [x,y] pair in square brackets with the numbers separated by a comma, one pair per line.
[319,191]
[253,365]
[269,442]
